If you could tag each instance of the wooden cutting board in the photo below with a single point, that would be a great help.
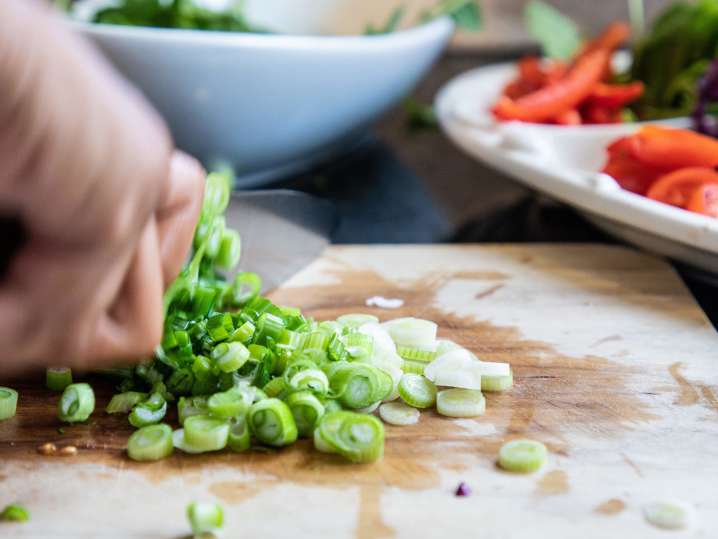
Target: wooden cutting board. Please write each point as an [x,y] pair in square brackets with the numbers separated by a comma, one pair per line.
[616,371]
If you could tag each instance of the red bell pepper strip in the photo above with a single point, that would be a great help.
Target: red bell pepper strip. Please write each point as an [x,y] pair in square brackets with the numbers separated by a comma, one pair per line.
[705,200]
[570,117]
[595,114]
[552,101]
[673,148]
[630,173]
[615,96]
[678,187]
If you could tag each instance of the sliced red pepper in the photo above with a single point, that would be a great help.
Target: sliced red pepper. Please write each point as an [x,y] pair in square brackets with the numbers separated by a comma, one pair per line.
[596,114]
[612,37]
[615,96]
[552,101]
[630,173]
[570,117]
[677,188]
[673,148]
[704,200]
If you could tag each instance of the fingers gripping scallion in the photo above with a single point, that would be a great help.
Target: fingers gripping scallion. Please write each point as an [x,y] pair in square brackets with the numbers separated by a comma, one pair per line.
[8,403]
[76,404]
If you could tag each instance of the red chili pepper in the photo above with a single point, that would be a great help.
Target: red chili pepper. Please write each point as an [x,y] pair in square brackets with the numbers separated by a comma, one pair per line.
[673,148]
[615,96]
[552,101]
[595,114]
[612,37]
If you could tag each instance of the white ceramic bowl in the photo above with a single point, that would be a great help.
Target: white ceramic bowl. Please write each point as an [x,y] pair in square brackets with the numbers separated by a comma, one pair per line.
[270,104]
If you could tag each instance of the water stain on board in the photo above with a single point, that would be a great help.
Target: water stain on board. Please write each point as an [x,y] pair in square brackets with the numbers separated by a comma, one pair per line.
[553,483]
[610,507]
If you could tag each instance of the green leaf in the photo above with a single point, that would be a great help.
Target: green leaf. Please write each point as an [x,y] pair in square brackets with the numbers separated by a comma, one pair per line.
[465,13]
[389,26]
[558,35]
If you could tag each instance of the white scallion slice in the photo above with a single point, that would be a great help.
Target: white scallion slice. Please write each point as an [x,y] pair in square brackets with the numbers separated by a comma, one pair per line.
[456,368]
[445,345]
[398,413]
[412,332]
[670,515]
[460,403]
[383,344]
[497,383]
[522,456]
[493,368]
[369,409]
[356,320]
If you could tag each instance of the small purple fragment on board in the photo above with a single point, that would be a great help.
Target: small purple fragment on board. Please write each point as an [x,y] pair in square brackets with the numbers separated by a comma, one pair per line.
[463,490]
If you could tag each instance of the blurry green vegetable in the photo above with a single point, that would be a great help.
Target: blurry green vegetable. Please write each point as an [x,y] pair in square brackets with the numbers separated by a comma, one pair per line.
[465,14]
[672,57]
[419,116]
[557,34]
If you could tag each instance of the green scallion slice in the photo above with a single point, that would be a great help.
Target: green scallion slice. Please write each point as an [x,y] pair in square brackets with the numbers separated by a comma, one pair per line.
[206,433]
[272,422]
[460,403]
[179,442]
[123,403]
[275,387]
[245,288]
[153,442]
[522,456]
[670,515]
[416,354]
[191,406]
[306,409]
[76,404]
[417,391]
[14,513]
[149,412]
[205,518]
[239,437]
[58,378]
[357,385]
[398,413]
[413,367]
[8,403]
[230,356]
[229,250]
[312,379]
[357,437]
[231,403]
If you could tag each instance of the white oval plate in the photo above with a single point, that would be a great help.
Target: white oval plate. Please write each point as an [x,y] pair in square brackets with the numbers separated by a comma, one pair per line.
[564,162]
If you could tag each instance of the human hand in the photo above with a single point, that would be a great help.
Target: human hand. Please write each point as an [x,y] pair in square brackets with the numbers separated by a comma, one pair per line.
[108,206]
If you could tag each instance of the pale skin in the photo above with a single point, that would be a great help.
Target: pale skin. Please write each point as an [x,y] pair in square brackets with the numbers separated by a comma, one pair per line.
[109,206]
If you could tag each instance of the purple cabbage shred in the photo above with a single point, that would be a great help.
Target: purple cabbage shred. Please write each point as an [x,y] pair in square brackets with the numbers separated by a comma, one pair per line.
[707,95]
[463,490]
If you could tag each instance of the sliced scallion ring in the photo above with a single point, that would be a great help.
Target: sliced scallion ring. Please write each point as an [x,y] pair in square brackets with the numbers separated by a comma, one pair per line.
[231,403]
[179,442]
[206,433]
[205,518]
[522,456]
[122,403]
[356,320]
[191,406]
[153,442]
[460,403]
[312,379]
[272,422]
[456,368]
[416,354]
[239,438]
[8,403]
[58,378]
[398,413]
[670,515]
[497,383]
[306,409]
[357,437]
[76,404]
[413,332]
[415,390]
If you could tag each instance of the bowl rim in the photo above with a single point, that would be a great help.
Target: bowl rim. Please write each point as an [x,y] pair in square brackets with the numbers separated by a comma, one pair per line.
[428,31]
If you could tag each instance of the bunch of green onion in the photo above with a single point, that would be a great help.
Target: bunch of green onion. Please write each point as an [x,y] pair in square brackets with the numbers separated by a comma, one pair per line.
[244,371]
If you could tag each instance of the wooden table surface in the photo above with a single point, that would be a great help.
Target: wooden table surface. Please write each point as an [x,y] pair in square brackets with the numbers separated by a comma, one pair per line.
[616,372]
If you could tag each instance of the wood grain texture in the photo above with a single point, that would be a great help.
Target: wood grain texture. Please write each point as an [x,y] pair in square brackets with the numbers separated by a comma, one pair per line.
[616,371]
